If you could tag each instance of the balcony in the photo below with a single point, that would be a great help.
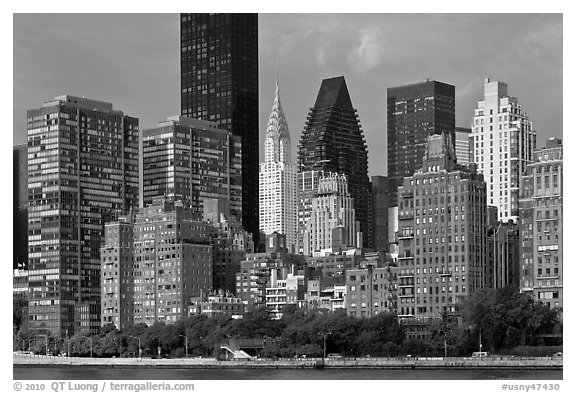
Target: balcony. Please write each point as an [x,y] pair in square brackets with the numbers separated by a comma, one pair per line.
[406,255]
[406,215]
[406,235]
[407,194]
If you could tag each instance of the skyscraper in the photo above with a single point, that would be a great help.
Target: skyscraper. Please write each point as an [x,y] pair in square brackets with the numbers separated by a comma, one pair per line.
[332,220]
[380,213]
[219,83]
[415,112]
[20,206]
[333,141]
[442,217]
[192,160]
[503,145]
[541,219]
[82,173]
[278,179]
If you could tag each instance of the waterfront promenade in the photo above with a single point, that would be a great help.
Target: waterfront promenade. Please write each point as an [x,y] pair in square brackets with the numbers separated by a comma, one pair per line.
[493,362]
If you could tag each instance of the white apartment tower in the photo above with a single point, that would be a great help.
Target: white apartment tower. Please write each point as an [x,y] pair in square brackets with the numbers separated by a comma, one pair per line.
[332,208]
[503,144]
[278,200]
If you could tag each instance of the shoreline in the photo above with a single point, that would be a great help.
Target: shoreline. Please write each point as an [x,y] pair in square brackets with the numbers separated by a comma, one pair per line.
[494,363]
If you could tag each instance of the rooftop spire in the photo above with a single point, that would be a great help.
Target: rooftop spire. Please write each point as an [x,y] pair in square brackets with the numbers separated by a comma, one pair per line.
[277,145]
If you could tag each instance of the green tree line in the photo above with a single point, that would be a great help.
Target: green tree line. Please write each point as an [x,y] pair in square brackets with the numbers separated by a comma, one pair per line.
[505,318]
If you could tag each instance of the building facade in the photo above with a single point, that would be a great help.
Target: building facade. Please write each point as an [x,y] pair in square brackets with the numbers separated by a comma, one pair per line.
[278,193]
[195,161]
[464,144]
[117,273]
[219,83]
[503,144]
[370,291]
[333,141]
[541,223]
[20,206]
[442,217]
[380,213]
[332,214]
[82,173]
[414,112]
[307,187]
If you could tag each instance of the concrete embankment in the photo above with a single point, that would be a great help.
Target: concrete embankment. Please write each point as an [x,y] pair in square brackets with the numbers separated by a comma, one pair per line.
[351,363]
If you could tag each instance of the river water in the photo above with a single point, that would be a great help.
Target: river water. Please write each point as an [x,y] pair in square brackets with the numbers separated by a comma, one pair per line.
[104,373]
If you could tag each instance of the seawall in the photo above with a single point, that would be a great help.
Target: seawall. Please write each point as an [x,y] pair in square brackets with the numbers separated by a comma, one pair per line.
[494,362]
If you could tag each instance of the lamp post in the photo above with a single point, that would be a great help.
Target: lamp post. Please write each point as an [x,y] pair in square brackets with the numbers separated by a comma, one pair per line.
[186,338]
[90,338]
[480,341]
[324,337]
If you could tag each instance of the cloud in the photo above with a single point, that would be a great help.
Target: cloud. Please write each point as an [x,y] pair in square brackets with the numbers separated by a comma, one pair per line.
[321,58]
[368,54]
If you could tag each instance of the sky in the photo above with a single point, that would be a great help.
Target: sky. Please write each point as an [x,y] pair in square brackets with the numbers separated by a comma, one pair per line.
[132,61]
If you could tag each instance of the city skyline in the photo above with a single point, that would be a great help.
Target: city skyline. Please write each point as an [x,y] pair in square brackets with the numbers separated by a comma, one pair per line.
[524,51]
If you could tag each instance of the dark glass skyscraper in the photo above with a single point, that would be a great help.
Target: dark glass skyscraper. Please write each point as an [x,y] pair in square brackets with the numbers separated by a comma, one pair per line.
[219,83]
[415,112]
[20,206]
[333,141]
[82,172]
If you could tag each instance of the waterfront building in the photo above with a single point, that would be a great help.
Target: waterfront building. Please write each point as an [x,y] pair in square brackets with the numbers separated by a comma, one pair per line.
[541,225]
[332,221]
[321,296]
[173,261]
[195,161]
[464,144]
[502,255]
[117,272]
[415,112]
[282,292]
[278,193]
[82,173]
[442,215]
[503,144]
[20,206]
[333,141]
[219,83]
[152,265]
[370,291]
[380,213]
[215,304]
[255,275]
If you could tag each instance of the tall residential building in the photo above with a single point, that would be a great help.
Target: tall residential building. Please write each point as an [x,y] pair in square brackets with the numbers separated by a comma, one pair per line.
[307,187]
[117,273]
[414,112]
[195,161]
[82,173]
[503,144]
[380,213]
[219,82]
[167,260]
[278,196]
[20,206]
[442,217]
[541,221]
[333,141]
[332,215]
[464,144]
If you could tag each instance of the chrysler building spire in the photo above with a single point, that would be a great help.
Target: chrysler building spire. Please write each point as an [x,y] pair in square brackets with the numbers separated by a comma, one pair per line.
[277,145]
